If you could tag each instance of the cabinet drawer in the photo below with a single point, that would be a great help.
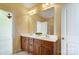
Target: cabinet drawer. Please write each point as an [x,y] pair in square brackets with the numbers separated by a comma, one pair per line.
[47,43]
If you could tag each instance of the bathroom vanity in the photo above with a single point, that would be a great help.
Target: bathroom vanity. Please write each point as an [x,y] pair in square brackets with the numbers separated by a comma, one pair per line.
[37,45]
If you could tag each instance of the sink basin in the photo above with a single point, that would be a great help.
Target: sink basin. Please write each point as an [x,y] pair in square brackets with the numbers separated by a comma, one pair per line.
[52,36]
[47,36]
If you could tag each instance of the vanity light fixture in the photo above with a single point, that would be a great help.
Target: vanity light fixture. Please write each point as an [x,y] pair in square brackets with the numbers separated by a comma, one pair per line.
[47,5]
[32,12]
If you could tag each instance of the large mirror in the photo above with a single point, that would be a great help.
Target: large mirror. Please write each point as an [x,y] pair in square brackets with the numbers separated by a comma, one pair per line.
[45,21]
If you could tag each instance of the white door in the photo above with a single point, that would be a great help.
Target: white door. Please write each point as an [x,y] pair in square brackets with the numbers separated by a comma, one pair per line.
[70,29]
[5,33]
[73,28]
[63,32]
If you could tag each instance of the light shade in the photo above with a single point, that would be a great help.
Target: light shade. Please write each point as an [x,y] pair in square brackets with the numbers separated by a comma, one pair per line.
[32,12]
[47,5]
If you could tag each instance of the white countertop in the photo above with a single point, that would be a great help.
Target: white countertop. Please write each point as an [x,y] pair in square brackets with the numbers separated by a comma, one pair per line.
[52,38]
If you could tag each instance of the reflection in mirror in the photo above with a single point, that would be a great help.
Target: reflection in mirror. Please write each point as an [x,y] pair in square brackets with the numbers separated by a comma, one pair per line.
[42,27]
[45,21]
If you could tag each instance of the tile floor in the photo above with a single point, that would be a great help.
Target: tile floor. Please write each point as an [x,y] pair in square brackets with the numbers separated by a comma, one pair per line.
[22,53]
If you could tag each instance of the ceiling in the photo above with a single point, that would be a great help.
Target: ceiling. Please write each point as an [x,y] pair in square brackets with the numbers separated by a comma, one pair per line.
[20,9]
[47,13]
[30,5]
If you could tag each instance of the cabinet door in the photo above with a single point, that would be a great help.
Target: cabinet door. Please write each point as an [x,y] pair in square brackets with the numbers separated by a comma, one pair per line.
[24,43]
[47,48]
[37,47]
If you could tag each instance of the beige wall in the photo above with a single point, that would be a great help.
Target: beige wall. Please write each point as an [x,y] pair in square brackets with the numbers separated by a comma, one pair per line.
[51,26]
[57,26]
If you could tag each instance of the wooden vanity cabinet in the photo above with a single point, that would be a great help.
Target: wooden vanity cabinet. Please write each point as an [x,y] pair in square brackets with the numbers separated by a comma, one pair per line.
[37,46]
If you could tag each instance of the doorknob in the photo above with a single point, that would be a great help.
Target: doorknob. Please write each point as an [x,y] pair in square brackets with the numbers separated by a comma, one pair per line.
[62,38]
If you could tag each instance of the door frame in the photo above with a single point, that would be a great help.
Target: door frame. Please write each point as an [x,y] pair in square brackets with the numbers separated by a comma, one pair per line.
[64,37]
